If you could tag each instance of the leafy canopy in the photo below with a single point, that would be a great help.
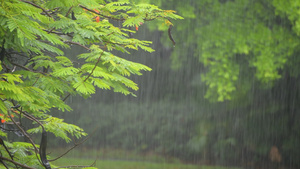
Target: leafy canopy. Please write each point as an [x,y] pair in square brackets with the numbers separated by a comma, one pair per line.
[36,76]
[238,43]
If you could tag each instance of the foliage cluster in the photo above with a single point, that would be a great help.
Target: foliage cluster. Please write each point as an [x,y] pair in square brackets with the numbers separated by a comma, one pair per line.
[237,42]
[37,78]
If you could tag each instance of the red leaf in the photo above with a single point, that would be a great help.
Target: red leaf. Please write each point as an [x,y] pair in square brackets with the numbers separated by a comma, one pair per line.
[97,19]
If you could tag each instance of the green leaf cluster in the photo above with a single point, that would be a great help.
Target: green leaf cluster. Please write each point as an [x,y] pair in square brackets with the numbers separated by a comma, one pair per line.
[238,42]
[236,35]
[37,77]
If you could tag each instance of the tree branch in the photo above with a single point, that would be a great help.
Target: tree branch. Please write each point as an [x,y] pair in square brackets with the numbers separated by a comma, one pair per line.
[35,5]
[76,43]
[16,163]
[25,68]
[94,67]
[33,118]
[108,17]
[74,146]
[87,76]
[25,134]
[68,11]
[23,131]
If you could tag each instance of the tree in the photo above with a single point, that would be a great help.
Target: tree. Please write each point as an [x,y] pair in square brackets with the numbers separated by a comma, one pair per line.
[233,38]
[254,37]
[36,77]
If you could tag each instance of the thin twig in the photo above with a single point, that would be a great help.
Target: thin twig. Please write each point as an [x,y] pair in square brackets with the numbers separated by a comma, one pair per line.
[25,134]
[16,163]
[17,53]
[68,11]
[170,35]
[4,163]
[23,131]
[35,5]
[26,116]
[94,67]
[34,119]
[10,130]
[35,81]
[108,17]
[75,145]
[51,30]
[2,142]
[25,68]
[117,19]
[45,11]
[87,76]
[57,33]
[75,43]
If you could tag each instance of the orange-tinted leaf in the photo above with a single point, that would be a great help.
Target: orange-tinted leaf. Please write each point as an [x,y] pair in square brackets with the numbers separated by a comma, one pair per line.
[97,18]
[136,28]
